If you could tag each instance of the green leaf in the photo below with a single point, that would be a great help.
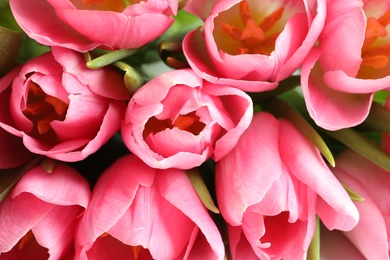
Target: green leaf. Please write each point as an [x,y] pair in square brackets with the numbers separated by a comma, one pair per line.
[313,252]
[353,195]
[202,191]
[362,145]
[110,58]
[7,19]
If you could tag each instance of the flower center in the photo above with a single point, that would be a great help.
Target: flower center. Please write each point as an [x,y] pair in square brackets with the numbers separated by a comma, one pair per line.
[41,110]
[103,5]
[246,35]
[375,52]
[189,122]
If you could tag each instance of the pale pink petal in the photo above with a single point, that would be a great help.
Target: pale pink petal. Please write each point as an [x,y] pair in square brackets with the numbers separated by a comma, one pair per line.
[197,57]
[111,198]
[331,109]
[239,184]
[301,158]
[106,82]
[176,188]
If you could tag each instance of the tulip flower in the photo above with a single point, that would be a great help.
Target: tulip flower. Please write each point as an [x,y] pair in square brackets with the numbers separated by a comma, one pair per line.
[178,120]
[59,108]
[371,235]
[38,217]
[252,45]
[350,64]
[270,187]
[137,212]
[83,25]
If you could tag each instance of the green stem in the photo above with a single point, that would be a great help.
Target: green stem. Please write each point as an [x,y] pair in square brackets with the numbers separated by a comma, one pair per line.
[110,58]
[314,249]
[362,145]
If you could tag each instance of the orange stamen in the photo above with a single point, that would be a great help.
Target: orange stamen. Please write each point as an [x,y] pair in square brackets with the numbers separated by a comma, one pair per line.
[374,55]
[189,122]
[42,109]
[25,239]
[136,251]
[272,19]
[253,37]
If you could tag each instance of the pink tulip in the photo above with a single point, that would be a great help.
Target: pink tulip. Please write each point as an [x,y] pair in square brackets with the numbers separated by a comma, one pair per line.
[137,211]
[83,25]
[270,187]
[59,108]
[371,235]
[178,120]
[252,45]
[39,216]
[350,64]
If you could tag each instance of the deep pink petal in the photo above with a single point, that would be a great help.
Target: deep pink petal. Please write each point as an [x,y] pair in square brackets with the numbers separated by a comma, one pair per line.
[41,23]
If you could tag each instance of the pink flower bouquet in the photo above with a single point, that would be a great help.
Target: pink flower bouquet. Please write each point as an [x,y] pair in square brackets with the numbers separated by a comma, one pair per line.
[193,129]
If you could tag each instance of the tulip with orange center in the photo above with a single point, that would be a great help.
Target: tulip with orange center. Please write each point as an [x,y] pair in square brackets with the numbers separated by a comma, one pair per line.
[350,63]
[179,120]
[60,108]
[252,45]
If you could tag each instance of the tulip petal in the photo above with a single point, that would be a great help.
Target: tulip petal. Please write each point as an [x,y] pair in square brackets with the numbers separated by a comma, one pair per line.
[338,211]
[40,22]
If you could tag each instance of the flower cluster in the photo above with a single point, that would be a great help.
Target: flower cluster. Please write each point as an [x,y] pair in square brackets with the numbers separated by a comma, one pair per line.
[198,129]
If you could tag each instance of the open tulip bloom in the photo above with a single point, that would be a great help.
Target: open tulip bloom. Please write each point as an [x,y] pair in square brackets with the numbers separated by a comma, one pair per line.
[194,129]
